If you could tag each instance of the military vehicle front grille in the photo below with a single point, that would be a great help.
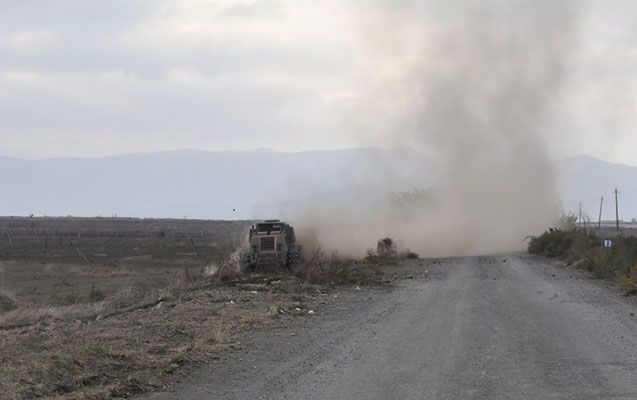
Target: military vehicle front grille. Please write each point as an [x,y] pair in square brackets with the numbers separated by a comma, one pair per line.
[267,243]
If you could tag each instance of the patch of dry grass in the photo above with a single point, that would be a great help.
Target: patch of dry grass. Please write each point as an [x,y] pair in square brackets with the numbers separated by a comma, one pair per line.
[332,270]
[628,282]
[143,337]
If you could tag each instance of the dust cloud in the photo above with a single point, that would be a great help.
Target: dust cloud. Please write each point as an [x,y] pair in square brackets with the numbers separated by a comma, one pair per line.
[470,84]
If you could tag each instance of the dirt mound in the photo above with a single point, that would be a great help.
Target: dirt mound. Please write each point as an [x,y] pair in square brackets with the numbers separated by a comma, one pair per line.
[7,303]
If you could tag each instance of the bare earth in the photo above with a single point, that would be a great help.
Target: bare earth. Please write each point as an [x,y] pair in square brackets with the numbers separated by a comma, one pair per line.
[500,327]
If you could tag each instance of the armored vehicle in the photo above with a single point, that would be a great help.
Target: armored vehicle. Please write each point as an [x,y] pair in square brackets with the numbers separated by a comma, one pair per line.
[271,242]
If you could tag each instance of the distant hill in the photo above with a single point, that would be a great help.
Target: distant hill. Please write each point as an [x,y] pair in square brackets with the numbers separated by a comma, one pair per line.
[198,184]
[260,183]
[585,179]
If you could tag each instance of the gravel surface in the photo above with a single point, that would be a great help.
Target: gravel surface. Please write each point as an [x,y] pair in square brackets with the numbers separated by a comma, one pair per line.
[498,327]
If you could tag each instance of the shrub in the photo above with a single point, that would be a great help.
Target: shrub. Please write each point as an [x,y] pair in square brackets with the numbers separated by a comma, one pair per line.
[410,255]
[552,243]
[386,248]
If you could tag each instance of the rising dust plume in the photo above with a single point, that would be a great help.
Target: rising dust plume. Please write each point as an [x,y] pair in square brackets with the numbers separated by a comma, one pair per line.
[470,84]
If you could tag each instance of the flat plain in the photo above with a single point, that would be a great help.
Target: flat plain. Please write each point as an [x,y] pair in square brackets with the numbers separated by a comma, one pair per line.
[104,308]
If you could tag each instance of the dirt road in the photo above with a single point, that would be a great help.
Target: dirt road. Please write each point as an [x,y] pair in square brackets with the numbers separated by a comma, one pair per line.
[501,327]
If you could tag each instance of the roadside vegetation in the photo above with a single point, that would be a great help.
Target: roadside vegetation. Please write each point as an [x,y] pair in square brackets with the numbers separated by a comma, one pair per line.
[583,249]
[332,270]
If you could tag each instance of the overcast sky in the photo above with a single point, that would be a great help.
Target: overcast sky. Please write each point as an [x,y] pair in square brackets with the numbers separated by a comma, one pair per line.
[96,78]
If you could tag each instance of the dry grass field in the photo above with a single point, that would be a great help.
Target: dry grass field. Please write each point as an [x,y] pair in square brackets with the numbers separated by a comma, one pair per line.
[64,260]
[102,308]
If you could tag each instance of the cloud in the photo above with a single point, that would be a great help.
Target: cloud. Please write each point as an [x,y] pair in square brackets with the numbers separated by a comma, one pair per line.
[256,8]
[146,72]
[104,68]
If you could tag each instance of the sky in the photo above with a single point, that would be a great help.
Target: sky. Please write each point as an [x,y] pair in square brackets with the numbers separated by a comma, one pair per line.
[84,78]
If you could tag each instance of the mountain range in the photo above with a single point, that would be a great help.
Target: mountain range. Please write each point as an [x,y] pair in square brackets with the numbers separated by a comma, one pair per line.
[586,179]
[198,184]
[258,183]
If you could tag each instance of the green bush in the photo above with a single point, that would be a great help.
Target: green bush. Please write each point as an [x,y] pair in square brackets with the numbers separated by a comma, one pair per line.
[553,243]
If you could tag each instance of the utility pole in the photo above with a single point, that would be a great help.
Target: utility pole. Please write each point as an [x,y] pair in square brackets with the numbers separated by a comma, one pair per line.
[616,209]
[579,220]
[599,222]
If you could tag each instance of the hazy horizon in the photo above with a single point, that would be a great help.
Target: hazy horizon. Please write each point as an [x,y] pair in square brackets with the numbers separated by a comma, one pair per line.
[203,185]
[266,149]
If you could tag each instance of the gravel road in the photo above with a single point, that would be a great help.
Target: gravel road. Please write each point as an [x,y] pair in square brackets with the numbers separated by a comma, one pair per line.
[498,327]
